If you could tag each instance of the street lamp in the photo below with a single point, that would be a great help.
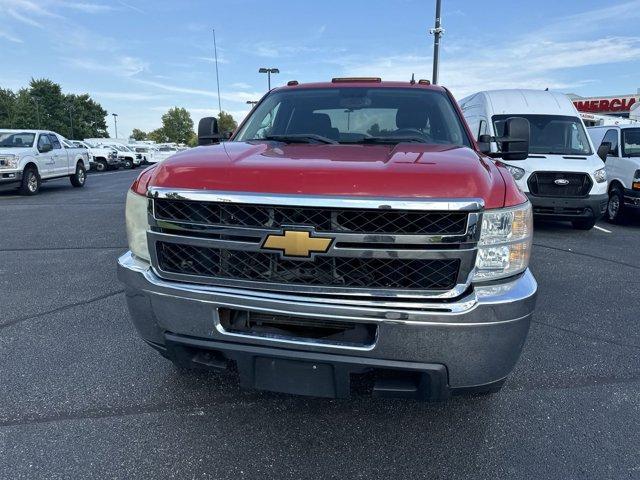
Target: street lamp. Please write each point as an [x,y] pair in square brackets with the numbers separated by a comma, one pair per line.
[35,102]
[70,110]
[269,71]
[115,121]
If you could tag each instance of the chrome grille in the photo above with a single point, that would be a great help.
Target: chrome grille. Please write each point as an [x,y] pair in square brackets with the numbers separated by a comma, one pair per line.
[383,248]
[420,274]
[323,219]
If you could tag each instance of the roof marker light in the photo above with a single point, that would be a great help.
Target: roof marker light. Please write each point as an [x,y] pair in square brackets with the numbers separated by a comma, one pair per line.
[292,83]
[424,82]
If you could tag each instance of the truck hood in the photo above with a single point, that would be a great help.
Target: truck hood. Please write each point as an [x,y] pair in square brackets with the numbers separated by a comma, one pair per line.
[20,152]
[401,171]
[559,163]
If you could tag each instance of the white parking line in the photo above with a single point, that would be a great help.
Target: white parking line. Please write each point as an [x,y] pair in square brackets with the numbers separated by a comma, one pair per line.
[602,229]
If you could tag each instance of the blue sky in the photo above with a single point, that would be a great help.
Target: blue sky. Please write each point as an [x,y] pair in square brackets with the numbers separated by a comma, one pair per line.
[140,57]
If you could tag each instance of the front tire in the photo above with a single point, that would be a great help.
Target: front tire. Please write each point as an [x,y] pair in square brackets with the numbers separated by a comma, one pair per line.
[615,206]
[101,166]
[583,223]
[79,178]
[128,164]
[30,182]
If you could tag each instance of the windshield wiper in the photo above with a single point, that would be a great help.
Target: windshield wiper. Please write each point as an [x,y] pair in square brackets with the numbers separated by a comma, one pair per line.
[298,138]
[392,139]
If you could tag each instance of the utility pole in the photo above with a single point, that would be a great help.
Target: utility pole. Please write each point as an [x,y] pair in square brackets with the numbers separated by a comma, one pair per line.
[35,102]
[115,121]
[269,71]
[437,32]
[70,109]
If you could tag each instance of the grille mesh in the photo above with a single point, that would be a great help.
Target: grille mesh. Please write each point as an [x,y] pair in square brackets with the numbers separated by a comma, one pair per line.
[543,184]
[323,219]
[422,274]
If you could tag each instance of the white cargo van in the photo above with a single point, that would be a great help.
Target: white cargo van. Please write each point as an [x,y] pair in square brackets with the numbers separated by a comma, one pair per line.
[623,166]
[562,176]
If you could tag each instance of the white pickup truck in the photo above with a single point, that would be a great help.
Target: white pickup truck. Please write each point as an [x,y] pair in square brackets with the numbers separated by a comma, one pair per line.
[29,157]
[100,158]
[126,156]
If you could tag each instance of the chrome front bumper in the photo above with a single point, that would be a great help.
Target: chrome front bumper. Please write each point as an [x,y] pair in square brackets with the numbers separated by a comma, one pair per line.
[478,337]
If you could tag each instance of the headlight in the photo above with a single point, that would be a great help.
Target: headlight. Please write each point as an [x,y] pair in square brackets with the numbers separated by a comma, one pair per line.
[600,175]
[505,242]
[517,172]
[137,224]
[8,161]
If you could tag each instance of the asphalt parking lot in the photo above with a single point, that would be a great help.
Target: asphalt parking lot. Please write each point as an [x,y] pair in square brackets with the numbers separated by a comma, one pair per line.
[81,396]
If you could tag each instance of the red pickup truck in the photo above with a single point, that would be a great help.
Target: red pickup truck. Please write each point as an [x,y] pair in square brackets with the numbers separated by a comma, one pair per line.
[349,235]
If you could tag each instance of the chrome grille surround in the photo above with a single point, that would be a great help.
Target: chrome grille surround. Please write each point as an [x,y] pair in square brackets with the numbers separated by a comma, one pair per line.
[459,247]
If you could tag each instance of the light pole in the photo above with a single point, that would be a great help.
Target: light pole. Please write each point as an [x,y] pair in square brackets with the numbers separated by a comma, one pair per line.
[269,71]
[35,102]
[115,121]
[70,109]
[437,32]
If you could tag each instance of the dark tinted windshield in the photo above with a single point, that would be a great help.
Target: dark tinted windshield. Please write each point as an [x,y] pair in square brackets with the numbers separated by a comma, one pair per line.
[17,140]
[631,142]
[551,134]
[352,115]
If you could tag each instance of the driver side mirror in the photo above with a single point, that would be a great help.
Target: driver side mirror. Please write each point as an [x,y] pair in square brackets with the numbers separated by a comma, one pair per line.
[484,144]
[208,133]
[515,142]
[47,147]
[603,150]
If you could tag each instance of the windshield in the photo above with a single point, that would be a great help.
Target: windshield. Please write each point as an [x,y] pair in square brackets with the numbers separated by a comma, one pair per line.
[356,115]
[551,134]
[17,140]
[631,142]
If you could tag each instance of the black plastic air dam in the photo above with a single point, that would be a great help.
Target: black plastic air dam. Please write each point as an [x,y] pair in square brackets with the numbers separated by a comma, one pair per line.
[309,373]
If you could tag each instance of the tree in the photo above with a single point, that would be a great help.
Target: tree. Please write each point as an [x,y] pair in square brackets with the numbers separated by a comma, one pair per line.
[375,131]
[177,125]
[226,123]
[7,107]
[43,105]
[157,135]
[138,134]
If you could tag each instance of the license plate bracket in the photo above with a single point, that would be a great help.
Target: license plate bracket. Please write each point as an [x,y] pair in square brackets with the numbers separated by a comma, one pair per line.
[294,377]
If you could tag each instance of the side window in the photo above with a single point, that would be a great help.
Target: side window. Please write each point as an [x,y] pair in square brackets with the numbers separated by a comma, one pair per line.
[43,140]
[54,141]
[612,137]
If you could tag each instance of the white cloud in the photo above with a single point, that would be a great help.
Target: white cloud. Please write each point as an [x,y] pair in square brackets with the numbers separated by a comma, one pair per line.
[124,66]
[537,60]
[221,59]
[128,96]
[9,36]
[240,86]
[131,7]
[87,7]
[233,96]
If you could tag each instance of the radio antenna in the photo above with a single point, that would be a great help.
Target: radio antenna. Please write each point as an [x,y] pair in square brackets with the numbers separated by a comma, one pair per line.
[215,54]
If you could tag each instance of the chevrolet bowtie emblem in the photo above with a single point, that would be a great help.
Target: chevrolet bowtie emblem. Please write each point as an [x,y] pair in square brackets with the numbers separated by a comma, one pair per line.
[297,243]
